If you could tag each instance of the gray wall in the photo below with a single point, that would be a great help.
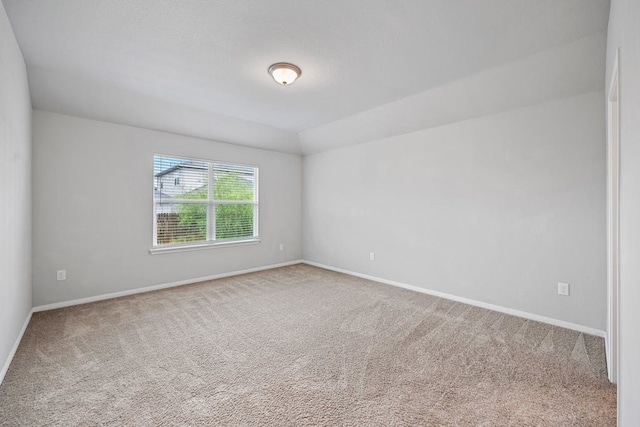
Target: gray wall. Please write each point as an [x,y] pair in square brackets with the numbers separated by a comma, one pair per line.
[92,202]
[498,209]
[624,33]
[15,191]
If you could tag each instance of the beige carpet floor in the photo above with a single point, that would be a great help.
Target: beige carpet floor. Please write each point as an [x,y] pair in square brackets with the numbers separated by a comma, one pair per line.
[301,346]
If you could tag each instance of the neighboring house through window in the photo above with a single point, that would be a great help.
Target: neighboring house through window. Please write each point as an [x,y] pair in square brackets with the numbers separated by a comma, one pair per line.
[202,203]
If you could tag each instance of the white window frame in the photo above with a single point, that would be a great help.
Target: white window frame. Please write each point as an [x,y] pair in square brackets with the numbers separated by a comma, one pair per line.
[211,203]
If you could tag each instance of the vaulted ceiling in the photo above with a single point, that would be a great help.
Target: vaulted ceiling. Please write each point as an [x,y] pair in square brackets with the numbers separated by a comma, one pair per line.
[199,67]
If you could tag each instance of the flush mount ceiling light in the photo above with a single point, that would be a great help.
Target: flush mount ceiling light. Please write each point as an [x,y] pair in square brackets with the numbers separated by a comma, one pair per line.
[284,73]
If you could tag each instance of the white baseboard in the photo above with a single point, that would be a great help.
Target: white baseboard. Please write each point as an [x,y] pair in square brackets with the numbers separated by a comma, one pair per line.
[158,287]
[506,310]
[12,353]
[523,314]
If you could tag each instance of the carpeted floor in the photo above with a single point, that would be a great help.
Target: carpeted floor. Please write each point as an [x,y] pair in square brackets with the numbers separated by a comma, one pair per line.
[301,346]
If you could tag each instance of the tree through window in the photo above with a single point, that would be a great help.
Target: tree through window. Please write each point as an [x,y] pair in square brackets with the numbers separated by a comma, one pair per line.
[199,201]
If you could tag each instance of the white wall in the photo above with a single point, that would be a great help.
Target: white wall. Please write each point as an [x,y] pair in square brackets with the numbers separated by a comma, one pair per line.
[624,33]
[15,192]
[498,209]
[83,169]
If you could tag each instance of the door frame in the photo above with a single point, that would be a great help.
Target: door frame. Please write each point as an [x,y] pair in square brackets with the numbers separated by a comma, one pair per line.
[613,221]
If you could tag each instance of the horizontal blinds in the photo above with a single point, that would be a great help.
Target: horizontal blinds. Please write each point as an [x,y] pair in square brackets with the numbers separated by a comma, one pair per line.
[233,182]
[181,223]
[233,221]
[177,179]
[191,207]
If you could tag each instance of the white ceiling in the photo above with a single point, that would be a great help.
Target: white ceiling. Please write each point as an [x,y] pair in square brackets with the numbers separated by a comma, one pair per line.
[199,67]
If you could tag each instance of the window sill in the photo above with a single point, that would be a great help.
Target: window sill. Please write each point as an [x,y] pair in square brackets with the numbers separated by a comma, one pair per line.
[200,246]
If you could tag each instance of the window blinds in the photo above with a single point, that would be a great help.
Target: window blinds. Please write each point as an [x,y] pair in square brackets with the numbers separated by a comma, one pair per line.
[197,201]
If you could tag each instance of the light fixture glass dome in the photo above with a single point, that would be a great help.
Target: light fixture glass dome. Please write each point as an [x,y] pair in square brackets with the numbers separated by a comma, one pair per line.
[284,73]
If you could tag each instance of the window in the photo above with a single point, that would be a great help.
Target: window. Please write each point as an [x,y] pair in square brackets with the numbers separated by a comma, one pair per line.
[200,203]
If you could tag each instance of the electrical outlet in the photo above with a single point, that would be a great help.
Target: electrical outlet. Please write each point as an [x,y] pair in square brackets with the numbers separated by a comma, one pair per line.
[282,246]
[563,289]
[61,275]
[372,256]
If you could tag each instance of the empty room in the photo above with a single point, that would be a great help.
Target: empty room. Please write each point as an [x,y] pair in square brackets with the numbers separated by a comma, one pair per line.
[305,213]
